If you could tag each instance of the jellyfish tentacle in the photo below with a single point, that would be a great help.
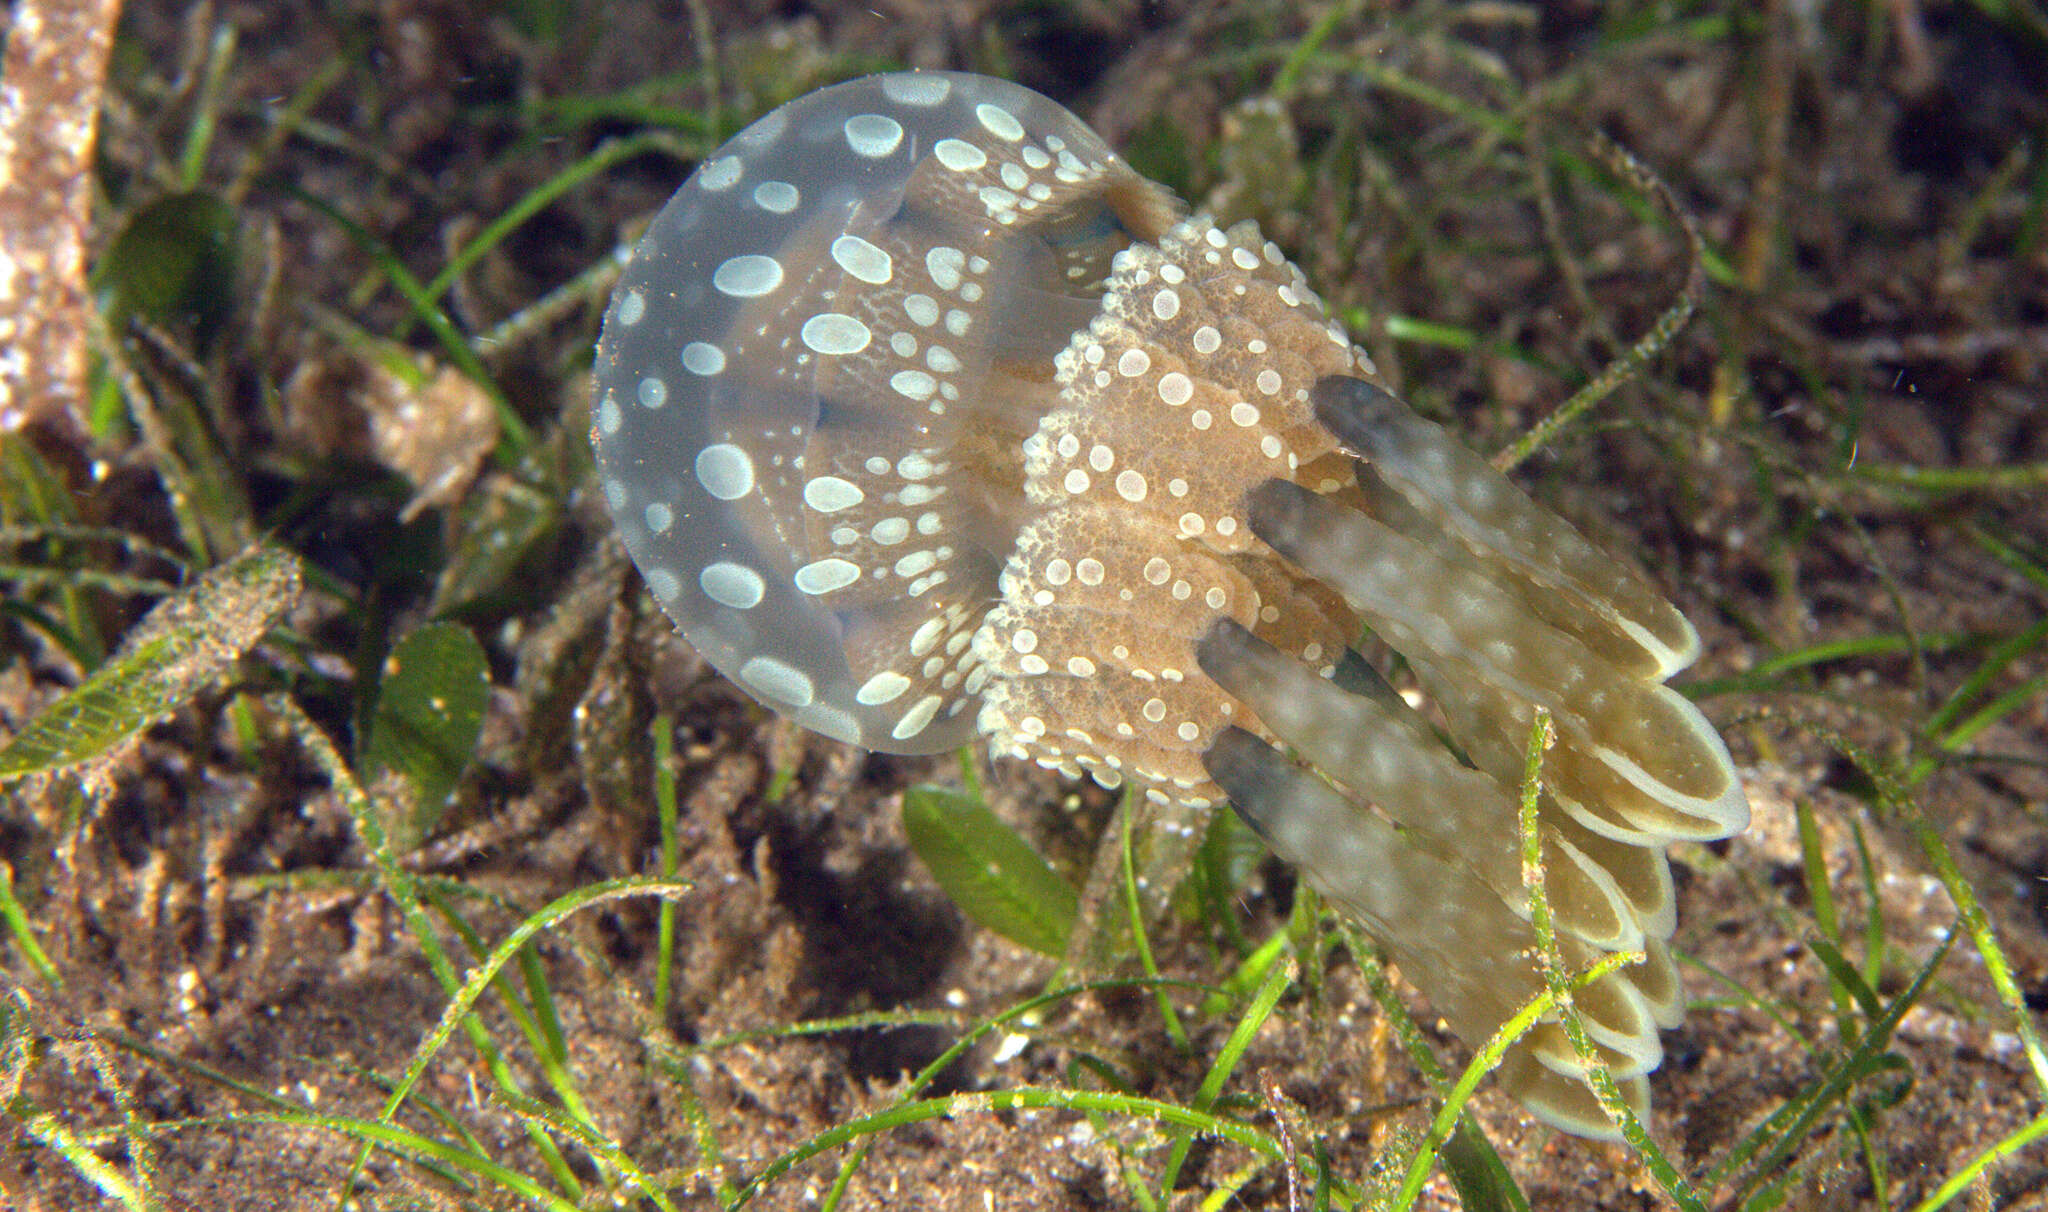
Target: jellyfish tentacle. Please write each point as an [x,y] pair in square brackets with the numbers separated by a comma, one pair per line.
[1466,497]
[1470,955]
[1389,760]
[1635,735]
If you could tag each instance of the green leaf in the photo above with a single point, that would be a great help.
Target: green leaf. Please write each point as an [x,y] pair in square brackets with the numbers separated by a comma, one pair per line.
[174,265]
[430,709]
[991,873]
[1846,976]
[502,528]
[1476,1170]
[180,648]
[1230,855]
[1159,150]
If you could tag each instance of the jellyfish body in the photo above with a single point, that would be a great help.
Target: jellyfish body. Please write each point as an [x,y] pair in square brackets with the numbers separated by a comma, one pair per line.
[926,417]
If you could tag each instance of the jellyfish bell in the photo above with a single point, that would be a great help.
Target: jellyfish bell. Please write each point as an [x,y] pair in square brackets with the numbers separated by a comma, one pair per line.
[817,370]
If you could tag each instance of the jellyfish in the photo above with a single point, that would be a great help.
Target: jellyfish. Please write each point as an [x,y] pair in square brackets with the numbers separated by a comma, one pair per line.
[929,420]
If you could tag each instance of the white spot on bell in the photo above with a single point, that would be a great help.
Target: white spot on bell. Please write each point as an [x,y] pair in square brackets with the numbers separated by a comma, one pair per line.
[944,263]
[777,197]
[717,176]
[917,719]
[825,576]
[747,276]
[725,471]
[702,359]
[913,384]
[734,585]
[831,332]
[999,122]
[830,494]
[778,680]
[863,260]
[884,687]
[873,135]
[959,155]
[922,89]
